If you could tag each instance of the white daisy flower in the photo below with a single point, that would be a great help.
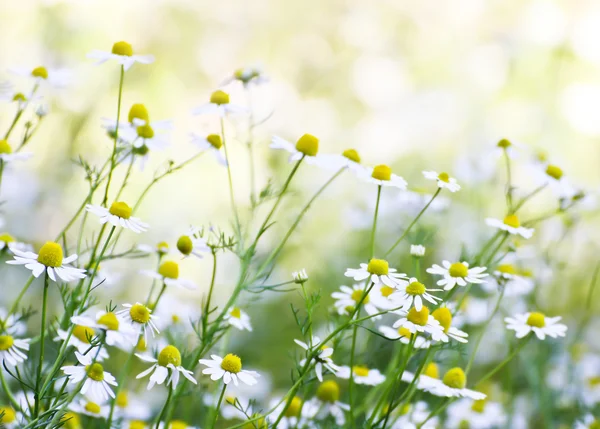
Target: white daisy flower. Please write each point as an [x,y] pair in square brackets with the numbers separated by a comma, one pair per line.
[504,145]
[512,225]
[443,180]
[193,244]
[97,381]
[479,414]
[81,338]
[239,319]
[140,318]
[300,277]
[421,322]
[252,75]
[349,159]
[119,214]
[323,358]
[147,136]
[12,324]
[212,142]
[122,53]
[588,422]
[453,386]
[382,175]
[58,78]
[166,367]
[117,332]
[378,272]
[414,293]
[177,313]
[7,241]
[457,273]
[514,281]
[50,259]
[326,403]
[7,154]
[132,407]
[404,336]
[161,249]
[554,177]
[292,417]
[444,316]
[307,146]
[417,250]
[429,377]
[362,375]
[168,273]
[229,368]
[537,323]
[86,407]
[12,350]
[414,416]
[348,298]
[219,105]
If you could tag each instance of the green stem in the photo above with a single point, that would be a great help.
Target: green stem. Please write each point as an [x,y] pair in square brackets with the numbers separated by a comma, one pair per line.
[210,292]
[231,193]
[15,304]
[38,398]
[114,152]
[508,182]
[374,227]
[164,408]
[504,362]
[351,380]
[216,416]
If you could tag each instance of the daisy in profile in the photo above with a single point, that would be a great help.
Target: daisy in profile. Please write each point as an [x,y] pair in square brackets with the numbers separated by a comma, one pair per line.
[58,78]
[140,318]
[512,225]
[97,381]
[7,241]
[480,414]
[122,53]
[81,338]
[414,416]
[119,214]
[219,105]
[12,350]
[349,159]
[12,324]
[166,367]
[85,407]
[429,376]
[168,273]
[300,277]
[239,319]
[117,332]
[193,244]
[444,181]
[537,323]
[306,147]
[452,385]
[378,272]
[348,298]
[7,154]
[229,368]
[149,136]
[50,259]
[161,249]
[323,358]
[553,176]
[404,336]
[382,175]
[514,281]
[444,316]
[211,142]
[417,250]
[421,322]
[252,75]
[326,403]
[414,293]
[361,375]
[457,273]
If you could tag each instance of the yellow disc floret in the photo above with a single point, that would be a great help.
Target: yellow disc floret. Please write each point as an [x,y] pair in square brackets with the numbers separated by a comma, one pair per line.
[506,269]
[169,270]
[145,131]
[455,378]
[137,424]
[215,140]
[444,177]
[458,269]
[139,313]
[122,48]
[95,371]
[443,316]
[357,296]
[185,245]
[536,319]
[504,144]
[554,172]
[51,255]
[122,399]
[109,320]
[379,267]
[360,370]
[9,415]
[138,111]
[352,155]
[178,424]
[512,220]
[432,370]
[328,391]
[236,312]
[478,406]
[141,345]
[70,421]
[6,342]
[382,172]
[169,355]
[219,97]
[294,408]
[308,145]
[387,291]
[404,332]
[231,363]
[5,147]
[83,333]
[41,72]
[415,288]
[7,238]
[120,209]
[418,317]
[92,407]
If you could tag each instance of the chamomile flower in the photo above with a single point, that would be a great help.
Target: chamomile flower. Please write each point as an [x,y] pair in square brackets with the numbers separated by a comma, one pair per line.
[192,244]
[12,324]
[12,350]
[479,414]
[7,154]
[421,322]
[119,214]
[429,376]
[122,53]
[117,332]
[417,250]
[58,78]
[444,181]
[553,176]
[140,318]
[457,273]
[323,358]
[81,338]
[413,416]
[88,408]
[168,273]
[349,159]
[537,323]
[148,136]
[166,367]
[452,385]
[326,403]
[211,142]
[514,281]
[252,75]
[378,272]
[361,375]
[229,368]
[414,293]
[50,259]
[505,145]
[404,336]
[161,249]
[348,298]
[219,105]
[7,241]
[512,225]
[300,277]
[292,417]
[97,381]
[239,319]
[382,175]
[307,147]
[10,419]
[131,406]
[444,316]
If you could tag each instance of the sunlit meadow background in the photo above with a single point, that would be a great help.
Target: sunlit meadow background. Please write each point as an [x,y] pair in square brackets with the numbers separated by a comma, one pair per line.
[432,84]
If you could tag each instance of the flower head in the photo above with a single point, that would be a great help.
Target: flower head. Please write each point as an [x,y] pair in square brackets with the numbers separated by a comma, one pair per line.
[168,273]
[512,225]
[119,214]
[166,367]
[323,358]
[97,381]
[444,181]
[457,273]
[122,53]
[50,259]
[229,368]
[382,175]
[537,323]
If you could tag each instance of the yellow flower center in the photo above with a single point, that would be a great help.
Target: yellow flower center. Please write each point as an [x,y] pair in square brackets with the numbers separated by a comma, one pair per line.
[512,220]
[415,288]
[444,177]
[145,131]
[174,318]
[236,312]
[40,72]
[169,270]
[137,424]
[382,172]
[443,316]
[595,424]
[232,363]
[219,97]
[6,342]
[458,269]
[230,400]
[95,371]
[352,155]
[122,48]
[9,415]
[169,355]
[404,332]
[120,209]
[5,147]
[83,333]
[554,172]
[19,96]
[139,313]
[141,345]
[432,370]
[185,245]
[328,391]
[478,406]
[51,255]
[594,381]
[464,424]
[455,378]
[360,370]
[357,295]
[92,407]
[110,321]
[294,408]
[379,267]
[162,247]
[536,319]
[138,111]
[178,424]
[308,145]
[215,140]
[7,238]
[71,421]
[506,269]
[504,143]
[387,291]
[122,399]
[418,317]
